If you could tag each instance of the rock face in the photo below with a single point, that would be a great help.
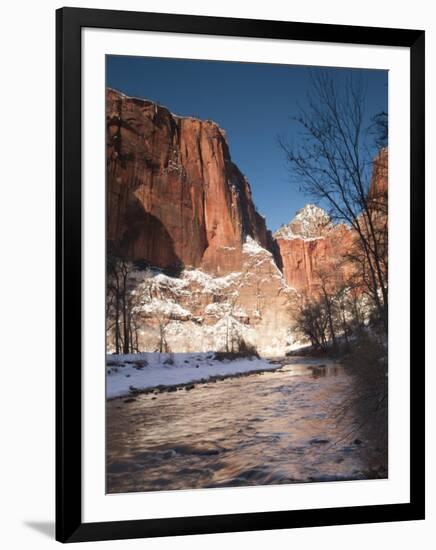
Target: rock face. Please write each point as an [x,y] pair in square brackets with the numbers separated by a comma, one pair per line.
[310,222]
[379,181]
[176,199]
[174,196]
[308,244]
[378,194]
[198,311]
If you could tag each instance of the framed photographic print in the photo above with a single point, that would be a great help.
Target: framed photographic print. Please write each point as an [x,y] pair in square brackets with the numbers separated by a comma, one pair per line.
[240,274]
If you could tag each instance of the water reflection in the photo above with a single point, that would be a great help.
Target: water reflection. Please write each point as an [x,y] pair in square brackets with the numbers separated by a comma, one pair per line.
[270,428]
[315,371]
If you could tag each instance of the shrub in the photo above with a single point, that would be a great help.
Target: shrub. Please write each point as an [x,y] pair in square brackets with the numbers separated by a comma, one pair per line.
[244,350]
[367,362]
[174,270]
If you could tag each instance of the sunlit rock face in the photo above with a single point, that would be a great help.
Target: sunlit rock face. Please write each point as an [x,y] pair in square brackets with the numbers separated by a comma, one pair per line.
[174,194]
[198,311]
[310,222]
[311,244]
[308,245]
[379,181]
[378,193]
[175,198]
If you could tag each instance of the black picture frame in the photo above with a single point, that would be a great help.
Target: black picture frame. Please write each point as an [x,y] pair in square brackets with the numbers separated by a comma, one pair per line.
[69,525]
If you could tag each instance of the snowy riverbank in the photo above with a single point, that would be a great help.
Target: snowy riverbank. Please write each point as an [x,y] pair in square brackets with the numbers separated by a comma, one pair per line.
[126,374]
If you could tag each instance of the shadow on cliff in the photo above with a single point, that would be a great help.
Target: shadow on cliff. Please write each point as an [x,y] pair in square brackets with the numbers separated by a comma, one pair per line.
[144,238]
[274,248]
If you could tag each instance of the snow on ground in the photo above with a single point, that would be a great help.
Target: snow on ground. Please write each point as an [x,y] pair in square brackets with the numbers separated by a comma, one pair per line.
[139,371]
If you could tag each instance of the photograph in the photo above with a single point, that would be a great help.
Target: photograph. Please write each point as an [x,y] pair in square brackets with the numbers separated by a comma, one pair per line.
[246,274]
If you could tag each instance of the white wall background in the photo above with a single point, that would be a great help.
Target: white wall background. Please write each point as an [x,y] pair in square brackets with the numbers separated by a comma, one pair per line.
[27,215]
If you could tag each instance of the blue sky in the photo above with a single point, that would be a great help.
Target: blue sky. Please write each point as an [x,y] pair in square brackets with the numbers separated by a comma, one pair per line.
[253,102]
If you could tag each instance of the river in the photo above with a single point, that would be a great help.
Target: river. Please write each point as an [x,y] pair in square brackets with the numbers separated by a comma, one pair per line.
[291,425]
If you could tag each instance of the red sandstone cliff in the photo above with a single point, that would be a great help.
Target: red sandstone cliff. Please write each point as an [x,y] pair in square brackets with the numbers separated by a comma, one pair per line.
[173,194]
[310,244]
[379,181]
[174,197]
[378,194]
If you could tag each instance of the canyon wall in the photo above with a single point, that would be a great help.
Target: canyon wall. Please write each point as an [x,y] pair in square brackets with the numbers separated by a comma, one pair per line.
[305,259]
[176,199]
[198,311]
[379,182]
[174,196]
[311,244]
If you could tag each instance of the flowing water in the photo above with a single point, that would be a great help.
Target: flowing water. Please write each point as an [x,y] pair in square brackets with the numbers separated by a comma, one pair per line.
[286,426]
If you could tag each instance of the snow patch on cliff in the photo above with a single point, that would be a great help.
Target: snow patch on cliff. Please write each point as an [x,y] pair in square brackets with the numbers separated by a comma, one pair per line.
[209,283]
[310,223]
[253,248]
[157,282]
[197,311]
[224,308]
[164,308]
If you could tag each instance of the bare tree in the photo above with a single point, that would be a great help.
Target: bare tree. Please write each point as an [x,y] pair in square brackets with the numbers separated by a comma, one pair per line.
[333,164]
[332,311]
[231,323]
[379,129]
[123,268]
[163,321]
[113,300]
[260,297]
[312,323]
[327,285]
[120,305]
